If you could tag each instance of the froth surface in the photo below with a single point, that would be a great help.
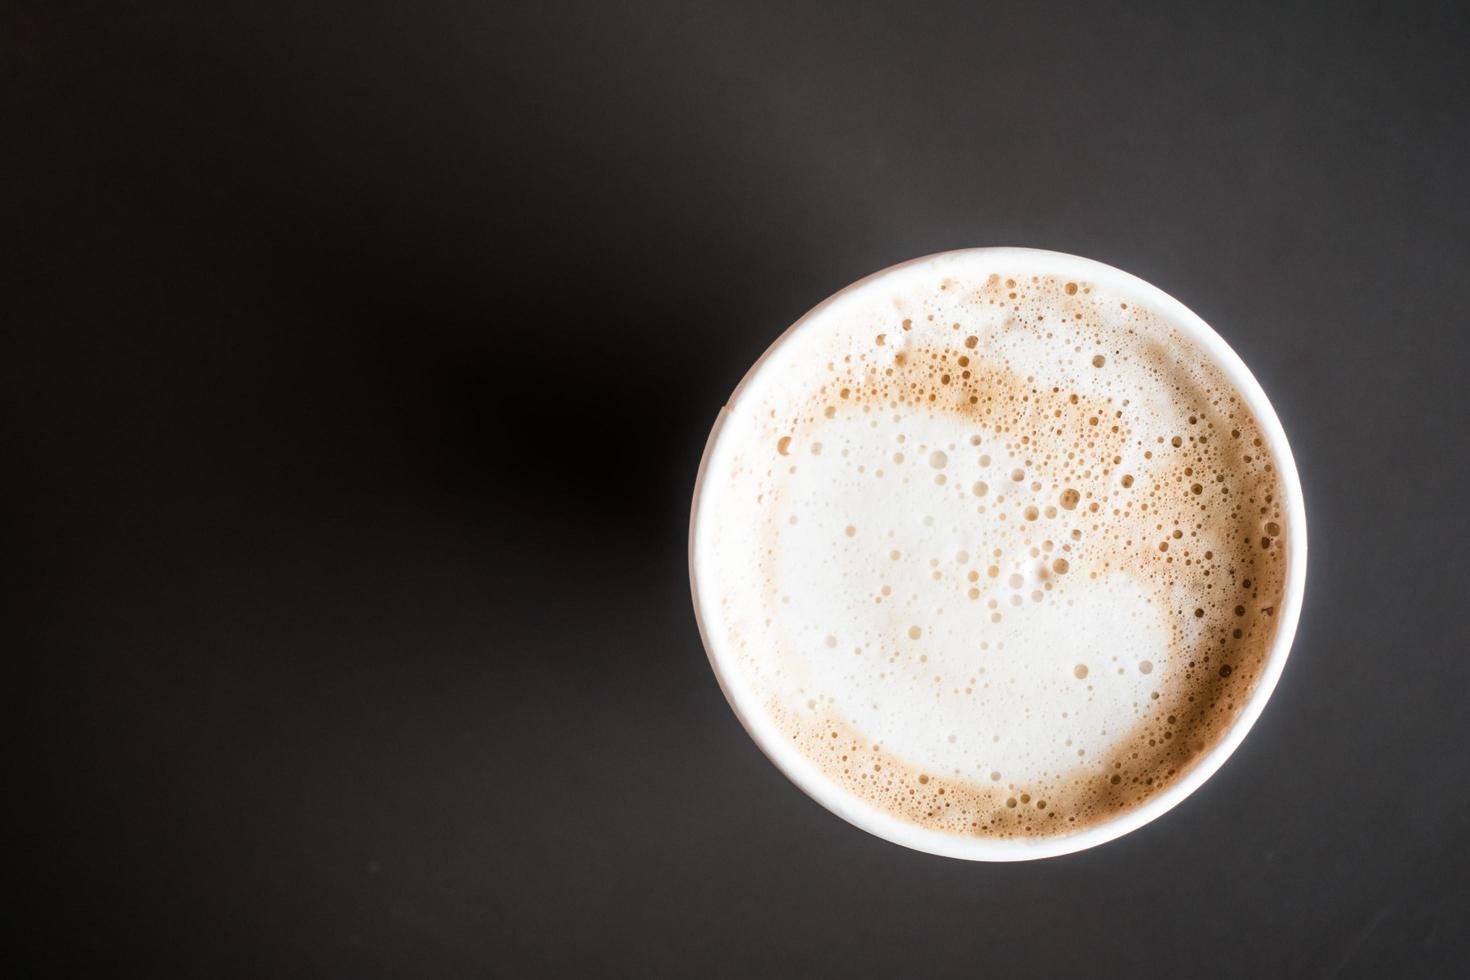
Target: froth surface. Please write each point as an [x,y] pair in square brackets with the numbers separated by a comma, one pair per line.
[1000,552]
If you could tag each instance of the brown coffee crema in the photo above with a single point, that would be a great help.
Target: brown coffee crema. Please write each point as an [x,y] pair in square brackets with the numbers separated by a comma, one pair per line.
[1190,511]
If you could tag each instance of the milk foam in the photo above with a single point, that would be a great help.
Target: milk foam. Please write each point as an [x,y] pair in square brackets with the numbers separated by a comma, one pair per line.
[998,551]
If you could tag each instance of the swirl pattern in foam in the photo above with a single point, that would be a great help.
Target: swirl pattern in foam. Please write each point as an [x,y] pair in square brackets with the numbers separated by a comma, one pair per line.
[999,553]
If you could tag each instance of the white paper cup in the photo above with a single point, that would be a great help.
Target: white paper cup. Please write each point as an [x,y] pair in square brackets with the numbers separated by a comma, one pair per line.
[806,775]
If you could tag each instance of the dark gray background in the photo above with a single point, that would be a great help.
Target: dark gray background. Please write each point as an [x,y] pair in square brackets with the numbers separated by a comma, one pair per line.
[358,361]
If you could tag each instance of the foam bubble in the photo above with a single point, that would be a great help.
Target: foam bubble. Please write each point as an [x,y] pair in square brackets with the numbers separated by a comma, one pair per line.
[1044,526]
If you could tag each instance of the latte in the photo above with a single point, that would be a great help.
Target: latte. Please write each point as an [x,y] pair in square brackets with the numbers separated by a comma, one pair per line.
[999,551]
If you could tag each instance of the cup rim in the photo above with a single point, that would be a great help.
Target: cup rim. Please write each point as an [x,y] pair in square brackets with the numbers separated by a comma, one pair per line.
[805,775]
